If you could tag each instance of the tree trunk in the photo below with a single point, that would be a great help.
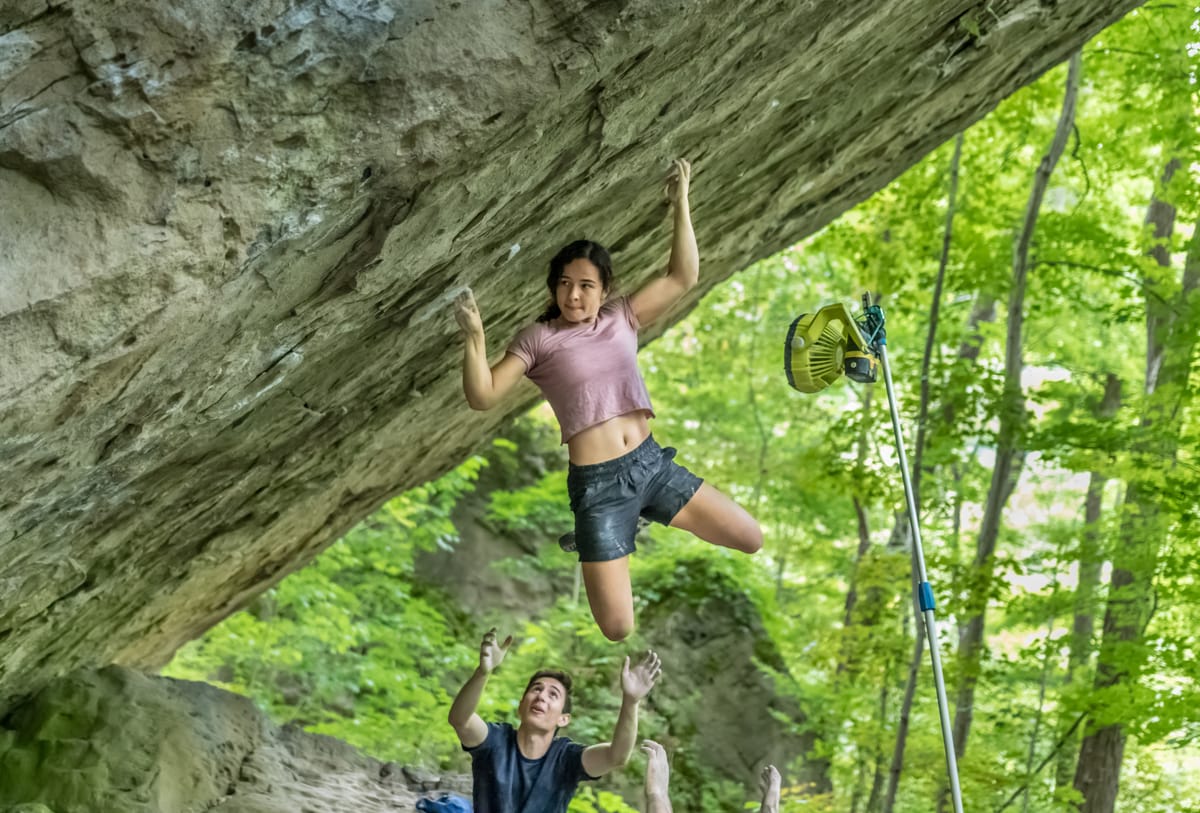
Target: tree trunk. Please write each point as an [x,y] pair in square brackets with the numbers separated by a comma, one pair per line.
[781,563]
[864,544]
[877,767]
[984,310]
[1049,649]
[1009,454]
[910,690]
[934,312]
[1171,327]
[764,439]
[864,528]
[1090,561]
[849,663]
[901,532]
[859,781]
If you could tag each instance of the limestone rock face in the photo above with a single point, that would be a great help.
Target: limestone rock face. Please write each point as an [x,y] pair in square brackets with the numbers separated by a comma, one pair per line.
[229,234]
[116,741]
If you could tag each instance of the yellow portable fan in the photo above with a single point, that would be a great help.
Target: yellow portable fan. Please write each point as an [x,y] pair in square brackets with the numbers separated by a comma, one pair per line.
[820,347]
[823,345]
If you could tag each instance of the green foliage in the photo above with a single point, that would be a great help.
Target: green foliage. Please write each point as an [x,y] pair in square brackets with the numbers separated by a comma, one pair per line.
[536,509]
[591,800]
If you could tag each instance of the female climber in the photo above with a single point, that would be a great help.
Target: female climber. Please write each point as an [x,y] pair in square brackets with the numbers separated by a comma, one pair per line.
[582,353]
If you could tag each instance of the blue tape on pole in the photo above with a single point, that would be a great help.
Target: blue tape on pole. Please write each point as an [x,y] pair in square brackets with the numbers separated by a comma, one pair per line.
[927,602]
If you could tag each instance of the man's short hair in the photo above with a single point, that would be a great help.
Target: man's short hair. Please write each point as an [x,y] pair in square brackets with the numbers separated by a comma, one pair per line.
[561,677]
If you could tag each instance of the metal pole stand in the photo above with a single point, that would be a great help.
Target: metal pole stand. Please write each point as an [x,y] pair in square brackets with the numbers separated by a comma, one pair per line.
[924,591]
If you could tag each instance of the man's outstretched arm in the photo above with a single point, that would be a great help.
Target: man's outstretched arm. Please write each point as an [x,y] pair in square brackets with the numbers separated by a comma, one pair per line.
[471,728]
[636,683]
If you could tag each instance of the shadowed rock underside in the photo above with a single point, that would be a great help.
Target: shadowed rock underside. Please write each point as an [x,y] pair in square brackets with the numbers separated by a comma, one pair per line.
[229,234]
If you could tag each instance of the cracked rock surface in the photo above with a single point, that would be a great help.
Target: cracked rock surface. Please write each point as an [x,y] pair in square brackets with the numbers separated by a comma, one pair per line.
[116,741]
[230,232]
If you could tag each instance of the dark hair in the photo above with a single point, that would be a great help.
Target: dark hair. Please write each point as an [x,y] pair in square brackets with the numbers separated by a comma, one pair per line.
[561,677]
[578,250]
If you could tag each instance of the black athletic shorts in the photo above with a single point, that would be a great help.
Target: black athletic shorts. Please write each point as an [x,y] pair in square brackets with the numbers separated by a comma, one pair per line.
[608,497]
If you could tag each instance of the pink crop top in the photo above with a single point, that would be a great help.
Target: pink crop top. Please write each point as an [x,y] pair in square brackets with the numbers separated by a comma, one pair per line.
[587,372]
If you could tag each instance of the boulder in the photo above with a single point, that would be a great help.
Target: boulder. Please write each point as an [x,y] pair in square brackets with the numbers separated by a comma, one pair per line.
[117,741]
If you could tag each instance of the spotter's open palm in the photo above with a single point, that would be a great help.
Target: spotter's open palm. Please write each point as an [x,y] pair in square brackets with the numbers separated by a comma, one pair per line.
[638,680]
[491,654]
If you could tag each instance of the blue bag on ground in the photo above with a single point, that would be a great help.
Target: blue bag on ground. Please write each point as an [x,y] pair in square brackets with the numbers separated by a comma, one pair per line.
[444,804]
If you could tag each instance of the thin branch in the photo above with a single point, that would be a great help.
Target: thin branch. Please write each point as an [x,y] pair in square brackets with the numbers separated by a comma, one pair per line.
[1077,158]
[763,437]
[1053,752]
[1110,272]
[1128,52]
[897,761]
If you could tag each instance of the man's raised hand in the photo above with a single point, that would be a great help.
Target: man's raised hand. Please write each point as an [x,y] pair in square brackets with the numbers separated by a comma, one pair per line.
[491,654]
[637,681]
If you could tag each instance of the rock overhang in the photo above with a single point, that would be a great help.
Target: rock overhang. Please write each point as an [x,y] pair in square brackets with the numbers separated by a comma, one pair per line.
[230,235]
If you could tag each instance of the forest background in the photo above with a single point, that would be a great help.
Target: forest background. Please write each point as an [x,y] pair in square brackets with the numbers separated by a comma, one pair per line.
[1039,277]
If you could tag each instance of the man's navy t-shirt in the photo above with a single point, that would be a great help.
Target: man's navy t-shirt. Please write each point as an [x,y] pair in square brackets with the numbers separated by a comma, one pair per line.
[507,782]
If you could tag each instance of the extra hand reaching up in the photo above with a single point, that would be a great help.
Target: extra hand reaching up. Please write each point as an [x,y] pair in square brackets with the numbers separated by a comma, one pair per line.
[637,682]
[490,653]
[769,782]
[658,776]
[658,770]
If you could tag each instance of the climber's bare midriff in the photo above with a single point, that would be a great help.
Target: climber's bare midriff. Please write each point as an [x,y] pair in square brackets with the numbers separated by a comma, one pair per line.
[610,439]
